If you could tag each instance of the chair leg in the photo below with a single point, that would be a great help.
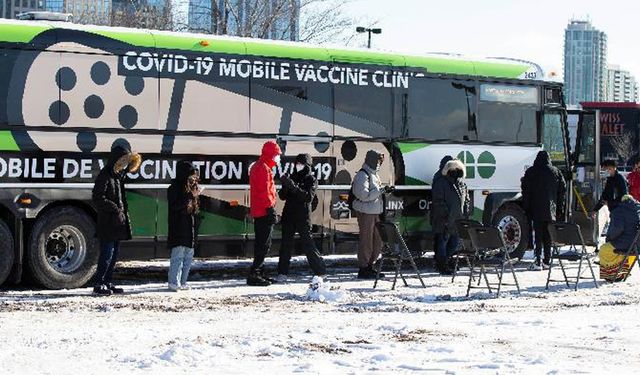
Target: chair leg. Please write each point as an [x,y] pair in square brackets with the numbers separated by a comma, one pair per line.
[455,268]
[483,272]
[549,273]
[593,274]
[404,280]
[579,274]
[500,275]
[375,283]
[564,273]
[468,262]
[395,277]
[415,268]
[513,272]
[471,279]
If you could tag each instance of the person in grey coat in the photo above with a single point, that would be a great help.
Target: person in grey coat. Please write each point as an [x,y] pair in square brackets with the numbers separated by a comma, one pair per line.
[450,202]
[368,205]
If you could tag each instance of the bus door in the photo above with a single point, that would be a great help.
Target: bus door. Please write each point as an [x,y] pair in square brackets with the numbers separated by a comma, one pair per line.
[584,128]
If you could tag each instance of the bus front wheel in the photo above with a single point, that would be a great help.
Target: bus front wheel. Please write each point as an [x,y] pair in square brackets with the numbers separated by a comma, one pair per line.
[514,225]
[6,251]
[63,252]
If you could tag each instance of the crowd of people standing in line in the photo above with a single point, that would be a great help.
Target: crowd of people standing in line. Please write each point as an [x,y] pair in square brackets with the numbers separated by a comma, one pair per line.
[543,196]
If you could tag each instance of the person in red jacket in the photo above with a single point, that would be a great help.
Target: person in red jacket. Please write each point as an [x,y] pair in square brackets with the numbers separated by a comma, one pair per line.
[634,180]
[263,200]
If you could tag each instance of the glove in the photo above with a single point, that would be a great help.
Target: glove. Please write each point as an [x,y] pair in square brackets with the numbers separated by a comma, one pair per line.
[286,182]
[272,217]
[388,189]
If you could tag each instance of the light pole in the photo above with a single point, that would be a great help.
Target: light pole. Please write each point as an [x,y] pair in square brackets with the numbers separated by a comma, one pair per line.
[369,31]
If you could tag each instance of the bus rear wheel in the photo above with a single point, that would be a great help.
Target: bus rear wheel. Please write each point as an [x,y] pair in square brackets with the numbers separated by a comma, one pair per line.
[63,252]
[514,225]
[6,251]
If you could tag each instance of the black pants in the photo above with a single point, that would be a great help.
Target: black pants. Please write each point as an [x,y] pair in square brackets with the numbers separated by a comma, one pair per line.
[289,229]
[543,239]
[107,262]
[263,227]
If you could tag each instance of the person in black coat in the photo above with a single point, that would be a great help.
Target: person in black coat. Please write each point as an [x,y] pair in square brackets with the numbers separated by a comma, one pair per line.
[183,199]
[113,224]
[543,193]
[450,202]
[614,188]
[298,192]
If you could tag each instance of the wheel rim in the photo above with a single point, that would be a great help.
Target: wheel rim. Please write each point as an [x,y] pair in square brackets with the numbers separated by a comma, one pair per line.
[511,232]
[65,249]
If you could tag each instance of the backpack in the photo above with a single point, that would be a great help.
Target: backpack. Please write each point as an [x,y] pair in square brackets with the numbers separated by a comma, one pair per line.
[352,196]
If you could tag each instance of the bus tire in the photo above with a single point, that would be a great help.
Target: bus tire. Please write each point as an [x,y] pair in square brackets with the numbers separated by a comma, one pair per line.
[63,252]
[516,229]
[6,251]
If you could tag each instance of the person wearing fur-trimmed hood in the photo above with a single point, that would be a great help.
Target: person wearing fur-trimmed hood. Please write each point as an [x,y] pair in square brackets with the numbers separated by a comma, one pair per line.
[450,201]
[113,223]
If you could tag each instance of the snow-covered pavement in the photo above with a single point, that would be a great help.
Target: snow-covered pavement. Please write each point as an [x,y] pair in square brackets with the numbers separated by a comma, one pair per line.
[226,327]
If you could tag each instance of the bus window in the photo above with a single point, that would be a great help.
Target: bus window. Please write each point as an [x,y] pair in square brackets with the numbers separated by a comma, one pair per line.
[588,140]
[553,137]
[288,107]
[507,114]
[366,110]
[441,109]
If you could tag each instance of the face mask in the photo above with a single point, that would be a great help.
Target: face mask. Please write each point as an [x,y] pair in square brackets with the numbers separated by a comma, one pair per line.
[299,167]
[277,159]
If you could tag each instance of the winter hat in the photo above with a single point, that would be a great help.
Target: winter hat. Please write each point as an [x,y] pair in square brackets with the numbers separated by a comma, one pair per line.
[372,158]
[444,161]
[304,159]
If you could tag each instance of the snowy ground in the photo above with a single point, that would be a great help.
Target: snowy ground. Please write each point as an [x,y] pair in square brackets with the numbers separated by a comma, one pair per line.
[223,326]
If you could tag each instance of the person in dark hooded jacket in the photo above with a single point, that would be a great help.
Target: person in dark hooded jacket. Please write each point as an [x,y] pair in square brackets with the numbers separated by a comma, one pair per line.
[438,175]
[298,192]
[113,223]
[183,199]
[543,191]
[623,227]
[450,202]
[615,187]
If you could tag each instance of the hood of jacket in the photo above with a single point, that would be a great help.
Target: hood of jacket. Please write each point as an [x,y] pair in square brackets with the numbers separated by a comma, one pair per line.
[371,159]
[454,165]
[444,161]
[304,159]
[542,159]
[184,169]
[270,150]
[121,157]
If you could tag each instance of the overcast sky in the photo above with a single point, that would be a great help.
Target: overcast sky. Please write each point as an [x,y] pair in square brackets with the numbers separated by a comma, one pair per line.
[531,30]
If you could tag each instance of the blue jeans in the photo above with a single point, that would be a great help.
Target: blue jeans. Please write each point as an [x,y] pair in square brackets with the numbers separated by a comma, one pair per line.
[181,258]
[107,262]
[446,245]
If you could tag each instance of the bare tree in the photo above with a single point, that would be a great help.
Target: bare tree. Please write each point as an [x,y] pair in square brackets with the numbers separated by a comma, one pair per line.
[316,21]
[624,145]
[146,16]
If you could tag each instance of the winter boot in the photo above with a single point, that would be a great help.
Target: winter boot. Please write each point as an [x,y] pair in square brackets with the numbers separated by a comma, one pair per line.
[255,279]
[115,290]
[536,265]
[365,274]
[101,291]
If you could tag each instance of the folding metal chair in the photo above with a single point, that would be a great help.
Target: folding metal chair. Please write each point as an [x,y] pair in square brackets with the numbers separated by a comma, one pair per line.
[489,250]
[395,250]
[569,234]
[465,251]
[623,273]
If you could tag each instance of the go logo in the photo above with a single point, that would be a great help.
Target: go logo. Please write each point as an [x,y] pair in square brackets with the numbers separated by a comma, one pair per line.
[485,165]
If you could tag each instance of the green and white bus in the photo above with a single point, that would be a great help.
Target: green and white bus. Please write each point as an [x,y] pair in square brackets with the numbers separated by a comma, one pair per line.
[70,92]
